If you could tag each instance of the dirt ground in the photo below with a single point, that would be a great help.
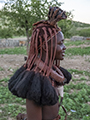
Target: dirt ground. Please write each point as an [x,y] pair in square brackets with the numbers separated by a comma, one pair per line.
[8,63]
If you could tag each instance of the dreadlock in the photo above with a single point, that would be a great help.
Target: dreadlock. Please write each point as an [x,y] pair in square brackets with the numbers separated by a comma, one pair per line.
[39,40]
[43,31]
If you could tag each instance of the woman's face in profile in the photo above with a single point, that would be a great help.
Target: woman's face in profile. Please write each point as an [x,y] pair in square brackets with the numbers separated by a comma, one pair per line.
[60,49]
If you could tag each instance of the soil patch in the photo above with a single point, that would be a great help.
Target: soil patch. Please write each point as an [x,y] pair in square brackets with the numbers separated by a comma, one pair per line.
[8,63]
[77,62]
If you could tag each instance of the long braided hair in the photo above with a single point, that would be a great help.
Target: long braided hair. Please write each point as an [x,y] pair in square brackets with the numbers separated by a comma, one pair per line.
[43,32]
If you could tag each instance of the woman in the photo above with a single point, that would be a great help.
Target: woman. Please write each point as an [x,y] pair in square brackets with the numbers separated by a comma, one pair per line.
[39,78]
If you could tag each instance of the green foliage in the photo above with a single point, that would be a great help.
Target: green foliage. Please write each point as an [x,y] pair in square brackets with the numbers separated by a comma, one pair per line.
[1,69]
[5,80]
[75,71]
[84,32]
[65,26]
[78,28]
[6,96]
[11,110]
[6,33]
[21,14]
[78,51]
[86,117]
[76,103]
[15,50]
[80,24]
[77,43]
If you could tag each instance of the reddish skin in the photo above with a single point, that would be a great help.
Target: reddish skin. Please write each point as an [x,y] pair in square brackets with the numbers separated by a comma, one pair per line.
[35,112]
[60,47]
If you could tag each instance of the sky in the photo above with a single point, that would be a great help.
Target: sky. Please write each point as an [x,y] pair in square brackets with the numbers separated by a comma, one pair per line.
[80,9]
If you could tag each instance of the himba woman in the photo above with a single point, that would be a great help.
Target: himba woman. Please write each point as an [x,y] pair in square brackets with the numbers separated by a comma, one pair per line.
[39,80]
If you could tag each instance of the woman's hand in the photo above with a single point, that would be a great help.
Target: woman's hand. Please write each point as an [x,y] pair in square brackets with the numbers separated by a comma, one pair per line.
[21,116]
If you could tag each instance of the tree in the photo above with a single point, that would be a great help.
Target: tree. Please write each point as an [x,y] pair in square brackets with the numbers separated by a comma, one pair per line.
[6,33]
[21,14]
[84,32]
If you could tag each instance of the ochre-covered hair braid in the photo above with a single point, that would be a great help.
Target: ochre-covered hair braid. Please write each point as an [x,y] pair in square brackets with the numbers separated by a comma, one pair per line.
[43,32]
[39,40]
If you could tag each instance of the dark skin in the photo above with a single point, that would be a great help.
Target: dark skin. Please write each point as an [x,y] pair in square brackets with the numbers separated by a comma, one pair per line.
[36,112]
[60,50]
[60,47]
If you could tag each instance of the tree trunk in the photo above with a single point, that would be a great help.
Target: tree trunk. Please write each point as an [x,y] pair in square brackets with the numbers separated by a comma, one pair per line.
[27,34]
[27,44]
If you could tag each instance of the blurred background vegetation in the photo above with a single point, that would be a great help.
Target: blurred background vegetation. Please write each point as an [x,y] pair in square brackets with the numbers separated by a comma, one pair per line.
[17,18]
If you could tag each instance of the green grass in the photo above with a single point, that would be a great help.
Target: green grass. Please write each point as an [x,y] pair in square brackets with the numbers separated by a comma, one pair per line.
[10,110]
[77,43]
[15,50]
[19,37]
[79,72]
[77,100]
[10,105]
[1,69]
[77,51]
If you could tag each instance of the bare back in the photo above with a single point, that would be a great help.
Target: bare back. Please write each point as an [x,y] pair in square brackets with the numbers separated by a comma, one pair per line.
[36,112]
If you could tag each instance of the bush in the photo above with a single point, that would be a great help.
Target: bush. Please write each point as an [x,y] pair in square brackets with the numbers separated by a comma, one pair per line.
[84,32]
[6,33]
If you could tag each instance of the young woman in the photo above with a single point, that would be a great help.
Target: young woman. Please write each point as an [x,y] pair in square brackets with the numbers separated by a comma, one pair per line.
[37,81]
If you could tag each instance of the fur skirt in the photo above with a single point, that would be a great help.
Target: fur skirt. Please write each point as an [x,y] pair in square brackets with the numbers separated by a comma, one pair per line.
[33,86]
